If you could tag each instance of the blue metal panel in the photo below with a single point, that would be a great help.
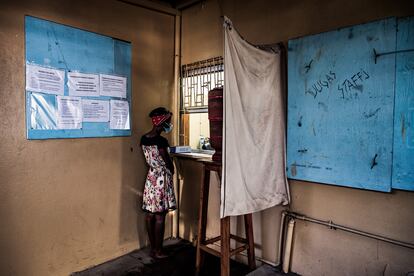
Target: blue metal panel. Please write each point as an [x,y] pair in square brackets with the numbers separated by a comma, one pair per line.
[403,161]
[54,45]
[340,106]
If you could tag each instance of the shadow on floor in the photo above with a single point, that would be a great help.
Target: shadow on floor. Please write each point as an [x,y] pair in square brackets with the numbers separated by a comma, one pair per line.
[181,262]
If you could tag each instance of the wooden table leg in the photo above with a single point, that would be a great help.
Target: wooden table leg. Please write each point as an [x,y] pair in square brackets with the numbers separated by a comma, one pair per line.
[225,246]
[248,226]
[202,218]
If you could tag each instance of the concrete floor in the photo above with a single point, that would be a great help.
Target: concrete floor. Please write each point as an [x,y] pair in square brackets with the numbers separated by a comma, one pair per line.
[181,262]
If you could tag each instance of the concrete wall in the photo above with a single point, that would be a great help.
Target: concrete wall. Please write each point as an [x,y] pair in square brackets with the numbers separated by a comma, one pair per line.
[73,203]
[317,250]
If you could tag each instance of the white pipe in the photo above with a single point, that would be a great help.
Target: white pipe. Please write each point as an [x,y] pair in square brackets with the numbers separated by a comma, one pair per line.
[335,226]
[288,248]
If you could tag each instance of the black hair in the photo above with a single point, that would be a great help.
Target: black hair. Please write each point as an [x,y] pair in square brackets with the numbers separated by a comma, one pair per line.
[159,111]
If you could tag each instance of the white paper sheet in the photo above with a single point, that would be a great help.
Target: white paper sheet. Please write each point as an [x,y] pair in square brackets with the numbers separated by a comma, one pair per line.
[42,111]
[81,84]
[112,86]
[119,115]
[45,80]
[69,112]
[95,111]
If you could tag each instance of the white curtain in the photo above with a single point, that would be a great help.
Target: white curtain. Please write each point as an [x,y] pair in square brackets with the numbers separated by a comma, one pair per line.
[254,128]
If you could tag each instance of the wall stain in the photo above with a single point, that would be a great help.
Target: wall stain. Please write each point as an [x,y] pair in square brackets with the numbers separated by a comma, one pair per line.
[374,161]
[359,87]
[318,54]
[293,169]
[60,49]
[323,106]
[403,129]
[372,114]
[313,128]
[351,34]
[300,121]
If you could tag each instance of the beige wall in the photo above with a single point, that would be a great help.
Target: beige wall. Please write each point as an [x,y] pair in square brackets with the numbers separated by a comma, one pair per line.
[73,203]
[317,250]
[199,126]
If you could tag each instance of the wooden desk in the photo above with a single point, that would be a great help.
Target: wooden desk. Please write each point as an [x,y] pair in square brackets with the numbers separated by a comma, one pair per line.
[225,251]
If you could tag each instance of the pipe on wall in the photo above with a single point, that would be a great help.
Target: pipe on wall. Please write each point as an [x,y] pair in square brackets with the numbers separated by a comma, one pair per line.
[335,226]
[331,225]
[288,248]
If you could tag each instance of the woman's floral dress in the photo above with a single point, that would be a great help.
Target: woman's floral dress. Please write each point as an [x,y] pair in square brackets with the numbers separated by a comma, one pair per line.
[158,194]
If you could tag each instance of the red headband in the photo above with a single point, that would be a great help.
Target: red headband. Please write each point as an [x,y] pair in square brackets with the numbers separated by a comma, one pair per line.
[158,120]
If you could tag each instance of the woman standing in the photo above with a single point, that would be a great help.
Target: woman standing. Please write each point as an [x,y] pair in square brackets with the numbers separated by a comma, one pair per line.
[158,197]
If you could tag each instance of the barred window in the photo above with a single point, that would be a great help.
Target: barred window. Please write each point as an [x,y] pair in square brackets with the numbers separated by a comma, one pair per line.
[196,80]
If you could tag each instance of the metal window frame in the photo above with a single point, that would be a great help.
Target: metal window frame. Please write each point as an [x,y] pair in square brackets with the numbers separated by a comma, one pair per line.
[195,82]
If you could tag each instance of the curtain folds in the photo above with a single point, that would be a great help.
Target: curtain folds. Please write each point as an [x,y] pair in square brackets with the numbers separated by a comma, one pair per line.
[253,128]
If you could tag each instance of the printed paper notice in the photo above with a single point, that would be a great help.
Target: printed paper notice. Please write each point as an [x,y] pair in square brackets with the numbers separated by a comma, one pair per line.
[81,84]
[119,115]
[112,86]
[69,112]
[95,111]
[45,80]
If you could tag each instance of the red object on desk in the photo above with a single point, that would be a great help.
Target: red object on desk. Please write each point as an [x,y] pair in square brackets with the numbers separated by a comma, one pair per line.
[215,116]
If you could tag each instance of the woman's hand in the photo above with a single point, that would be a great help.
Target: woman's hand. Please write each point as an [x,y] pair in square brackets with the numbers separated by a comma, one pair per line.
[167,159]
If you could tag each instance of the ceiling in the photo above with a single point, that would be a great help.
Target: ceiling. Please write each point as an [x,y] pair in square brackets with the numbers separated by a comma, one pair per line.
[177,4]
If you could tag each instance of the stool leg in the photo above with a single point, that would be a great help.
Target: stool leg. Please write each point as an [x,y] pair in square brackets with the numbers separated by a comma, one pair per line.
[248,227]
[202,219]
[225,246]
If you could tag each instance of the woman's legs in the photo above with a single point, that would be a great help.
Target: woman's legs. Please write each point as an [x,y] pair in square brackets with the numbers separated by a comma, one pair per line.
[159,234]
[150,223]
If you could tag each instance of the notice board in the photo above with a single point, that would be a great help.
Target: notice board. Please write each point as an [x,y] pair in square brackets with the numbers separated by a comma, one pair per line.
[340,106]
[78,83]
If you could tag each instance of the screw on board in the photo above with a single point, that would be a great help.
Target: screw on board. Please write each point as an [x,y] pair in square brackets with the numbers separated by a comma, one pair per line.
[377,55]
[374,161]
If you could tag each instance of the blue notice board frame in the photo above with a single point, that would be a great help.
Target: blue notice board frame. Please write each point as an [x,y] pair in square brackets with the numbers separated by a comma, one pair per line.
[403,161]
[49,44]
[340,106]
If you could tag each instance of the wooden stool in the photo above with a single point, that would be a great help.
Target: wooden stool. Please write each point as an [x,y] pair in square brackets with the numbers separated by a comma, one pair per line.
[225,253]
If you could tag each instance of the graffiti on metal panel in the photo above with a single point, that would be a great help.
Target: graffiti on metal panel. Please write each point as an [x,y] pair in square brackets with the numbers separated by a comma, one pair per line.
[348,88]
[321,84]
[351,87]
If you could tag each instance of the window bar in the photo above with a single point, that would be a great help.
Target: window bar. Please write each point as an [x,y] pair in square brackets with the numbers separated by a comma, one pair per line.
[187,90]
[190,75]
[199,91]
[193,86]
[199,78]
[209,68]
